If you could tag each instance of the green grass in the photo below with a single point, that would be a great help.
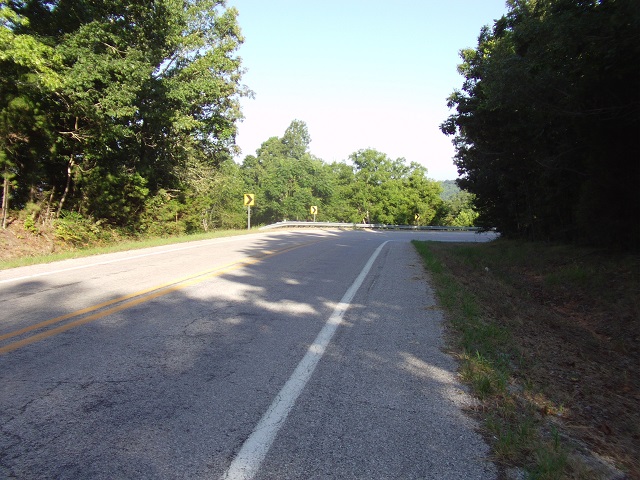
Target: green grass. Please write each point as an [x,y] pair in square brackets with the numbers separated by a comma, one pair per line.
[480,339]
[574,275]
[487,359]
[117,247]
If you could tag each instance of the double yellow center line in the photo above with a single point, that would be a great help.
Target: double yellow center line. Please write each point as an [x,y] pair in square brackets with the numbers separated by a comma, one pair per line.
[33,333]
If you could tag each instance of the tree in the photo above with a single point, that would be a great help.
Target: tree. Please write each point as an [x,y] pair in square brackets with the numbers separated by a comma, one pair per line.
[296,140]
[339,206]
[390,191]
[29,69]
[423,197]
[458,210]
[286,178]
[140,92]
[373,188]
[546,121]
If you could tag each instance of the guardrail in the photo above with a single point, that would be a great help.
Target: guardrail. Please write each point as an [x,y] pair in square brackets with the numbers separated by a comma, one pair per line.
[373,226]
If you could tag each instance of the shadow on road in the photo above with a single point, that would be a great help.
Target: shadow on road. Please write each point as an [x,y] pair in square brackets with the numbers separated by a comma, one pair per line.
[171,387]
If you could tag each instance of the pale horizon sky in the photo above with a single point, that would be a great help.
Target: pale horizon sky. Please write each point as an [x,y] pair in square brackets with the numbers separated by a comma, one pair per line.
[360,73]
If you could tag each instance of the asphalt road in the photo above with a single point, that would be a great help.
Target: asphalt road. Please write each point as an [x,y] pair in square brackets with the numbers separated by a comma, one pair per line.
[282,355]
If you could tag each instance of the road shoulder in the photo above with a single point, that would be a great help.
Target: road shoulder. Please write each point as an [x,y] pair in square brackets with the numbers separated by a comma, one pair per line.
[385,401]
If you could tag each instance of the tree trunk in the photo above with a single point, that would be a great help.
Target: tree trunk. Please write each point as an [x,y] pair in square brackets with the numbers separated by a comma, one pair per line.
[5,199]
[47,217]
[69,174]
[68,185]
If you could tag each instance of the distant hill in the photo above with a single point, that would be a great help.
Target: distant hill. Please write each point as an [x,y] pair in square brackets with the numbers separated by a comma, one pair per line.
[449,189]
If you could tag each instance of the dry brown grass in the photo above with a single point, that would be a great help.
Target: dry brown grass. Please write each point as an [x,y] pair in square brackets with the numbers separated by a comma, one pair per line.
[17,242]
[572,317]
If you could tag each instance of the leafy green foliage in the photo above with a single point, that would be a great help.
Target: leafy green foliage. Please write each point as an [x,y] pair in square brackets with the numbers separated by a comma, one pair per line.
[106,104]
[371,188]
[124,114]
[286,178]
[73,228]
[458,210]
[389,191]
[546,121]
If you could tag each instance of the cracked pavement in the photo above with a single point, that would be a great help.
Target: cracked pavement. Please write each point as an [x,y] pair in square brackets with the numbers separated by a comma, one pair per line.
[172,386]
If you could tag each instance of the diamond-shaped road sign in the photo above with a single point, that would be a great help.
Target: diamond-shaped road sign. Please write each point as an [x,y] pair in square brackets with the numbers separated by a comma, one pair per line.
[249,199]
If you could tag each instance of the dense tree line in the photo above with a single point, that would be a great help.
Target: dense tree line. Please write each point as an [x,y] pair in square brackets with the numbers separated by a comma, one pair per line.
[105,106]
[368,188]
[547,121]
[120,116]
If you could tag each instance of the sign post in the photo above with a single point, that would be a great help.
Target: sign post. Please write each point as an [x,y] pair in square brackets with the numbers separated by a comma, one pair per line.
[249,201]
[314,211]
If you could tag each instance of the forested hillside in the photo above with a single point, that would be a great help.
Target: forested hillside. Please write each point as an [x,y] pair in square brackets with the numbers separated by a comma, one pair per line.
[546,124]
[370,188]
[106,105]
[120,116]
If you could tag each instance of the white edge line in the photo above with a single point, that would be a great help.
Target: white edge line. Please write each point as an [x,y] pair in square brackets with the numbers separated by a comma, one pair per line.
[107,262]
[117,260]
[248,460]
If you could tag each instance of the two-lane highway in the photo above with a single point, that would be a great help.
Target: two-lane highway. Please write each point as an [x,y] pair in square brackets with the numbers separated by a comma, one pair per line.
[308,354]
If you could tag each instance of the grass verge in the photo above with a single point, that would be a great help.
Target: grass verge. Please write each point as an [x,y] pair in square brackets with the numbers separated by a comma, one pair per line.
[547,338]
[68,252]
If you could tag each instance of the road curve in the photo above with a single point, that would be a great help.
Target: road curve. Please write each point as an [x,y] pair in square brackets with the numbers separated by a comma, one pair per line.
[161,363]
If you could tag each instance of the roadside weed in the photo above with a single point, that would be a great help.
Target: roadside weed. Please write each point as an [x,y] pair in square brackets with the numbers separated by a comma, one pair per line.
[487,361]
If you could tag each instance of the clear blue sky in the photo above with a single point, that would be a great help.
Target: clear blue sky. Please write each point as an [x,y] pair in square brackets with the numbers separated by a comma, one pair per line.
[359,73]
